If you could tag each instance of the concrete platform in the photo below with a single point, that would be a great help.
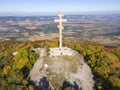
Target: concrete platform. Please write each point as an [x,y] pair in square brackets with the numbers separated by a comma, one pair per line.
[61,51]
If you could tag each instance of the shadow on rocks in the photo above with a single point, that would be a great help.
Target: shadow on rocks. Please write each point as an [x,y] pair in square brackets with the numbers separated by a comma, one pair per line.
[43,84]
[69,86]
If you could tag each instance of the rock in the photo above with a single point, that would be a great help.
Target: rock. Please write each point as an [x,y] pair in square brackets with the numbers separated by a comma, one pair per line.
[64,70]
[46,66]
[14,53]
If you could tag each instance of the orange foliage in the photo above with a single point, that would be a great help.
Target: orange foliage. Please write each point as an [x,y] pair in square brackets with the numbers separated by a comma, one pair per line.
[6,70]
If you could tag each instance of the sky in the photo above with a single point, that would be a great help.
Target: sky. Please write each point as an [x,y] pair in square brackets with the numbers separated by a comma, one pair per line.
[36,6]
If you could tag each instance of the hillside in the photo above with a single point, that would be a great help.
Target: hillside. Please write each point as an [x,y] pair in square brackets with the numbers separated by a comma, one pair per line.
[104,62]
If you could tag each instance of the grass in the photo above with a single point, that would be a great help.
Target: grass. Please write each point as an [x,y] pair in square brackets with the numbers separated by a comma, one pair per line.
[57,80]
[58,66]
[73,62]
[48,60]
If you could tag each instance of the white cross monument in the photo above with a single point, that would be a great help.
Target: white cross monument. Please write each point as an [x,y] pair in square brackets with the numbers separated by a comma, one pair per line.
[60,26]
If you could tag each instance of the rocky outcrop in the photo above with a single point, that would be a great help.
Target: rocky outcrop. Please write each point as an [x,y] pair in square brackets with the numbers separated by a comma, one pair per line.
[62,71]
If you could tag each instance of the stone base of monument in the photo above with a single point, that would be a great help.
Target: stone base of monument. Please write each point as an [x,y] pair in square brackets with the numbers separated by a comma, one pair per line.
[55,51]
[61,51]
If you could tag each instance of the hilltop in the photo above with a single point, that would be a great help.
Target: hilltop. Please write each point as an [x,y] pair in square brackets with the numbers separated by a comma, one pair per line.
[104,62]
[61,72]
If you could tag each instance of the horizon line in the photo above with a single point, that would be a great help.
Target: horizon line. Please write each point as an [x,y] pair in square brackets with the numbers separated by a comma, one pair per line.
[54,13]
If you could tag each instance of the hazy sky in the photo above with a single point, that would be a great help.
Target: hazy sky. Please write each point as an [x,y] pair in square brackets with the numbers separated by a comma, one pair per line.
[59,5]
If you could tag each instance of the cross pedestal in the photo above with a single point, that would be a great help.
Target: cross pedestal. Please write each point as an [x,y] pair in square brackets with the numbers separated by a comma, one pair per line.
[60,26]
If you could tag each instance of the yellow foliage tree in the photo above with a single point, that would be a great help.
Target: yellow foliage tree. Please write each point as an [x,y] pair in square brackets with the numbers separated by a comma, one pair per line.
[20,63]
[6,70]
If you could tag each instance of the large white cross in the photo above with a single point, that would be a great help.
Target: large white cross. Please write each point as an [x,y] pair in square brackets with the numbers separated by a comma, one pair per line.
[60,26]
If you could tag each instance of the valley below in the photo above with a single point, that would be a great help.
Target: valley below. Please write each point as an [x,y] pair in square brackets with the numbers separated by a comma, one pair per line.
[103,29]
